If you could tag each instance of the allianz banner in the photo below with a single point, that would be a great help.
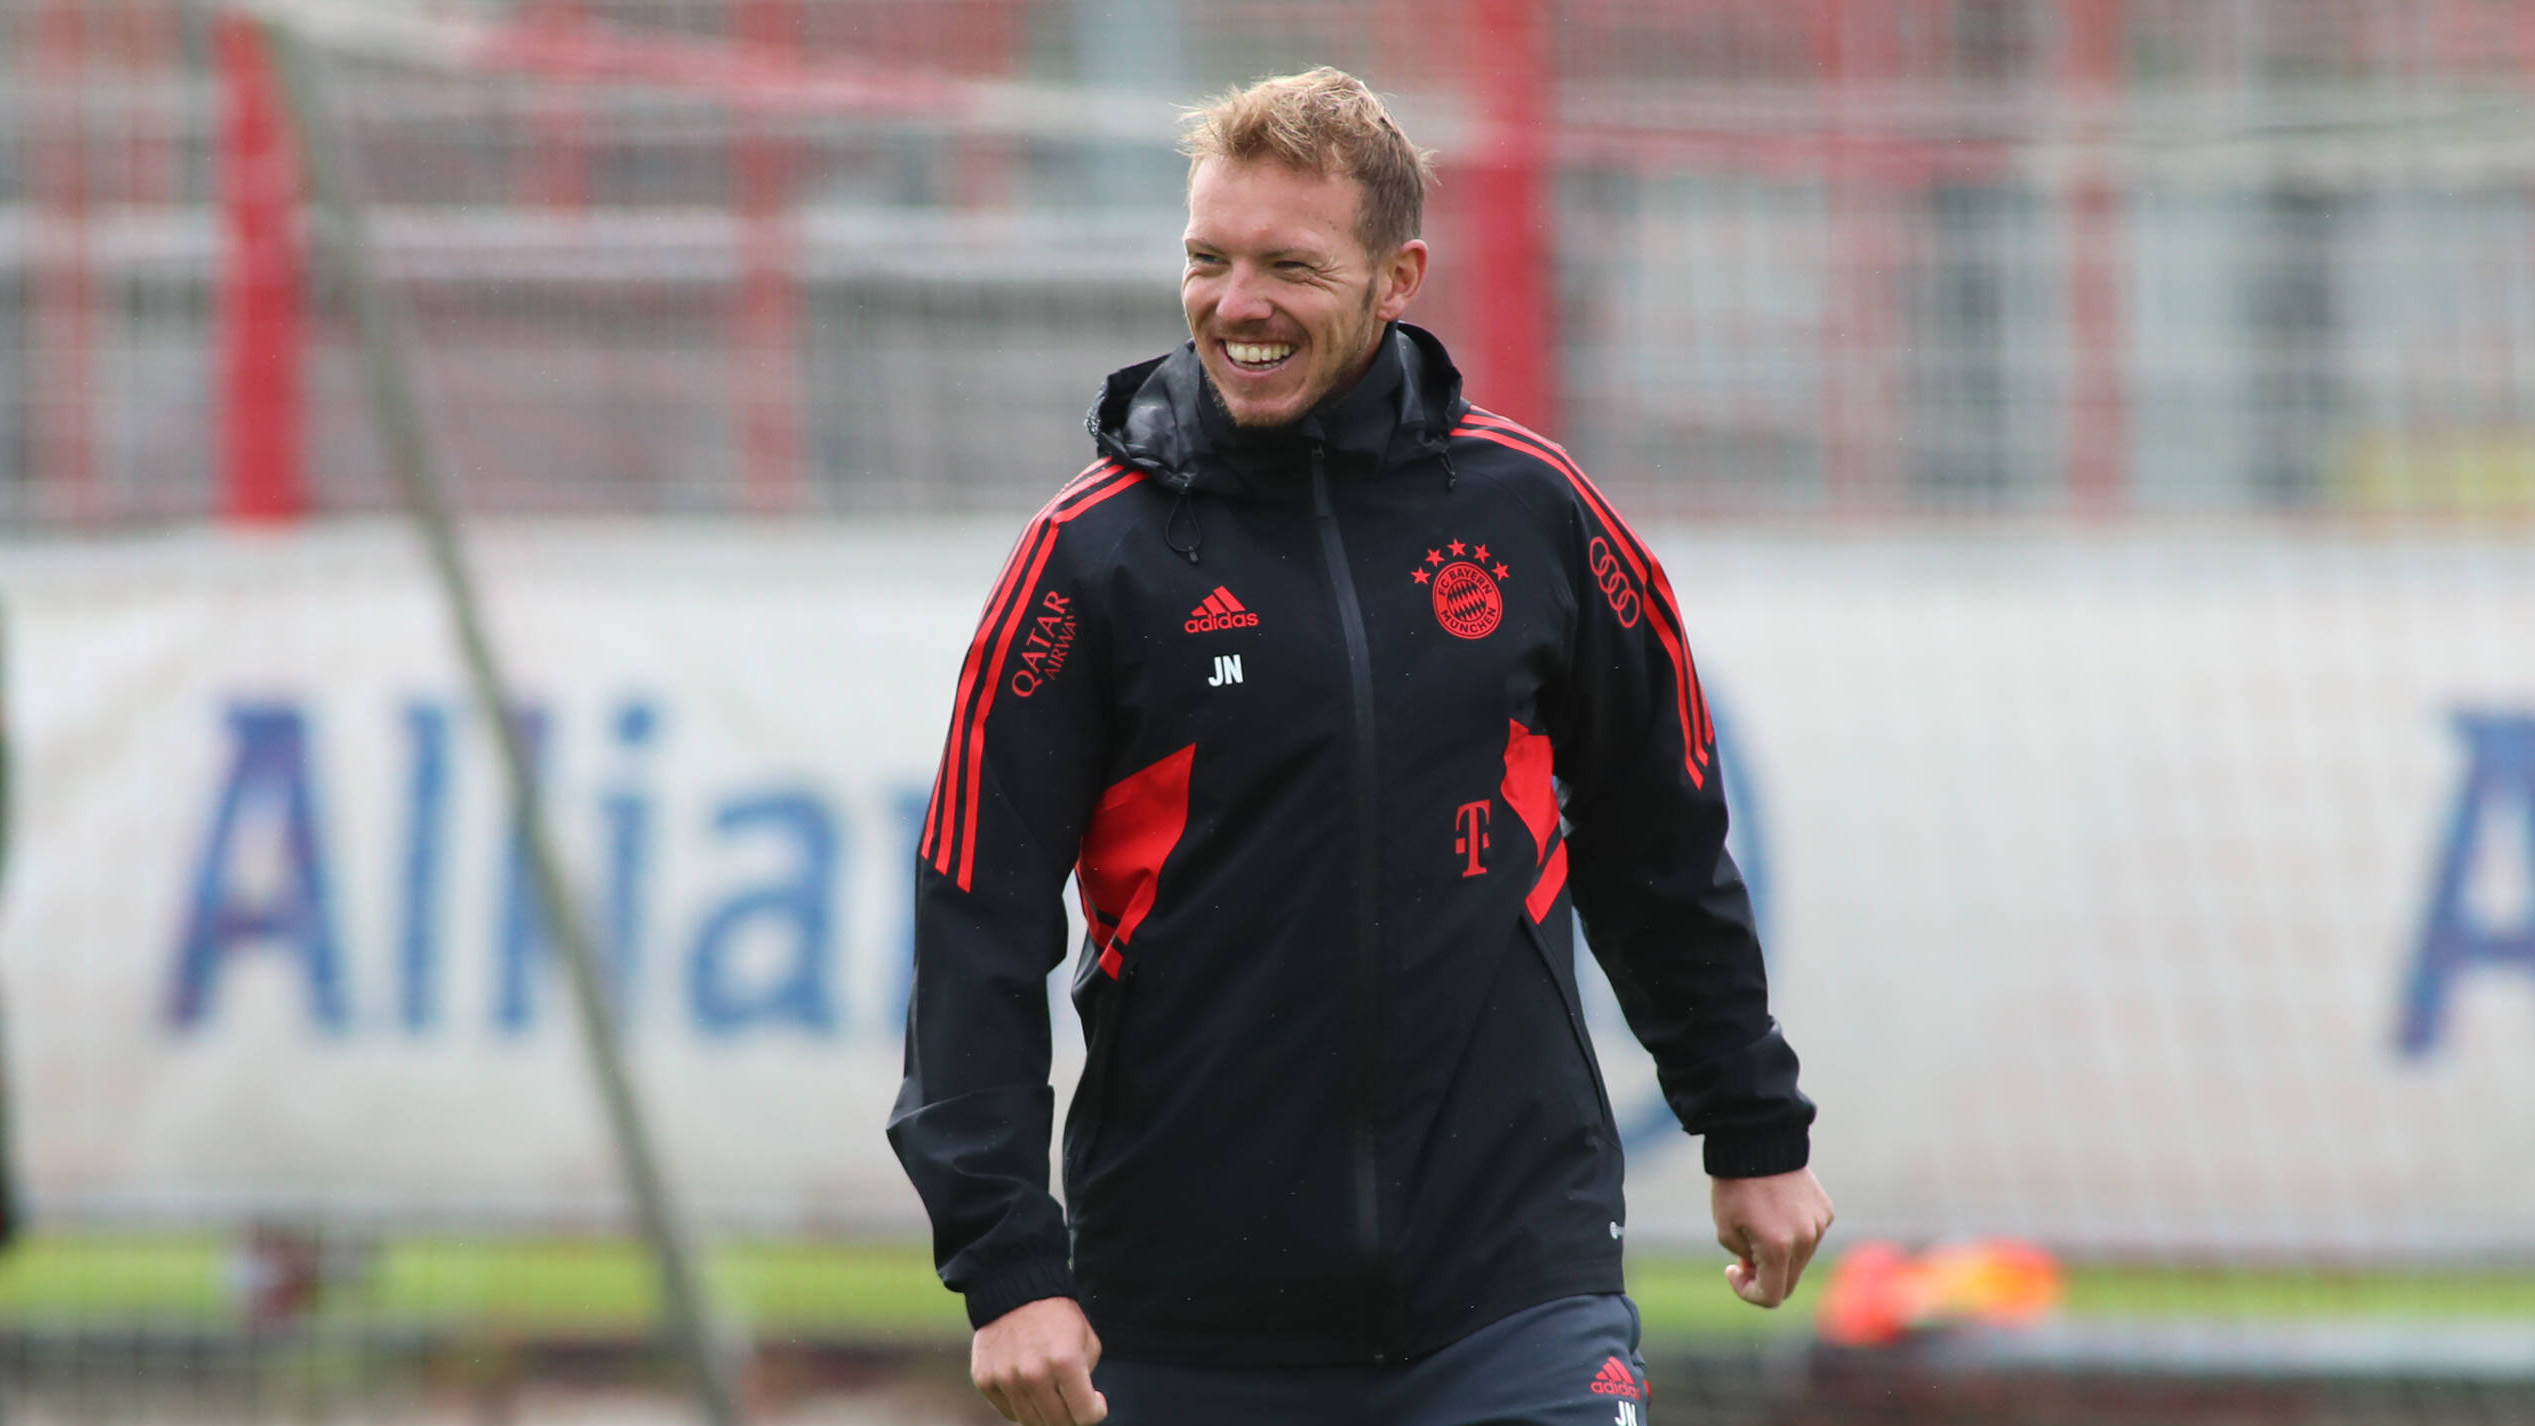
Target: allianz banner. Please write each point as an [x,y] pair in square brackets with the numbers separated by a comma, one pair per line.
[2132,894]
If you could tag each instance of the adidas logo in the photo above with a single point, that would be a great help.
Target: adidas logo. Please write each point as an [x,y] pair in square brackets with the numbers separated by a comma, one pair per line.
[1220,611]
[1615,1379]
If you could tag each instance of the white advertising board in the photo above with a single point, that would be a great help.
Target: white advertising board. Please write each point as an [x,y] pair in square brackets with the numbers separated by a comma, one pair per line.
[2138,894]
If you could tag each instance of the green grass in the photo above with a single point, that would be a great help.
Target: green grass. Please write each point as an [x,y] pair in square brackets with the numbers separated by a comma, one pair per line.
[595,1286]
[2290,1294]
[107,1278]
[604,1287]
[1681,1298]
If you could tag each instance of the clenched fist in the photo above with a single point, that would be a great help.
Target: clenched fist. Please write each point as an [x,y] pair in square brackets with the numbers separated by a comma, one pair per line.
[1771,1226]
[1034,1365]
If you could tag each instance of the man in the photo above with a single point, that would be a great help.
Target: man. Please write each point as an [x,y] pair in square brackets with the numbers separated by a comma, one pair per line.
[1335,692]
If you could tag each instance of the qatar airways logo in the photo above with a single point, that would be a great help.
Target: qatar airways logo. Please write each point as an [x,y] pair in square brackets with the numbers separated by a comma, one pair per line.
[1044,647]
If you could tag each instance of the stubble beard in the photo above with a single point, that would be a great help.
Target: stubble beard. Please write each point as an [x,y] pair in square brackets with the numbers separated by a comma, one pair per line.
[1360,341]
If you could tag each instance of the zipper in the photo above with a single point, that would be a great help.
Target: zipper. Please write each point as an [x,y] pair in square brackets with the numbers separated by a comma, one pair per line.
[1575,1024]
[1100,1062]
[1364,1001]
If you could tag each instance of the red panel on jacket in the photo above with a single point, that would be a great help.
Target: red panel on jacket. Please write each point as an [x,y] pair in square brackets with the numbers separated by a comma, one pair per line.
[1138,822]
[1531,790]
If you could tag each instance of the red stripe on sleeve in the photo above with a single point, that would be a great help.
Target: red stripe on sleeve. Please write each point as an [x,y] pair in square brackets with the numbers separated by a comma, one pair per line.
[941,786]
[998,608]
[976,759]
[1003,607]
[1092,495]
[937,816]
[1698,733]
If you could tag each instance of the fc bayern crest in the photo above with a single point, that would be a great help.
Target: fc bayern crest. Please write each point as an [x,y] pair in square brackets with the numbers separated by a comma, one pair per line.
[1463,579]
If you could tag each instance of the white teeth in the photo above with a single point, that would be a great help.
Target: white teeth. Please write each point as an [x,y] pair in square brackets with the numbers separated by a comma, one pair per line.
[1258,354]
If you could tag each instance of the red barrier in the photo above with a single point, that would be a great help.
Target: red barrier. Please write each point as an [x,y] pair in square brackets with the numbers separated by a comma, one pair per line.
[1514,325]
[65,293]
[260,329]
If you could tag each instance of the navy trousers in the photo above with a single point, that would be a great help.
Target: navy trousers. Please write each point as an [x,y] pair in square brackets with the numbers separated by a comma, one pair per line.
[1572,1362]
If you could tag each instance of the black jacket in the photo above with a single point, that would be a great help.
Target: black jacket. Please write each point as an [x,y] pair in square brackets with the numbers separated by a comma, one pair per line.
[1332,722]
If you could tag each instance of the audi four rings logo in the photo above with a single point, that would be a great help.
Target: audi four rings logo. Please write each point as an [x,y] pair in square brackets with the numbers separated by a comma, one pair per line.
[1614,580]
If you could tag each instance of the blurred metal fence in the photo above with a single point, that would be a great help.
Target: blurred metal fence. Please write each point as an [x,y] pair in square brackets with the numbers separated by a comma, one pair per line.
[2087,257]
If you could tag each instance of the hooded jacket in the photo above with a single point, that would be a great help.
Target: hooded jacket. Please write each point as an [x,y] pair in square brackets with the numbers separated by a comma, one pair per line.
[1333,725]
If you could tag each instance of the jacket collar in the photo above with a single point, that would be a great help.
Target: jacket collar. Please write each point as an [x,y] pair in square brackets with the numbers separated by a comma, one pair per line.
[1160,415]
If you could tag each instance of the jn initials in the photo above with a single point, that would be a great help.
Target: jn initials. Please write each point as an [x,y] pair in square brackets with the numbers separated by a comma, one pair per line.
[1227,670]
[1628,1414]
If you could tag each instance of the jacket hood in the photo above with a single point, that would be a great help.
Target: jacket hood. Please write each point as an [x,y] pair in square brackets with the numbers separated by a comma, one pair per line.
[1160,416]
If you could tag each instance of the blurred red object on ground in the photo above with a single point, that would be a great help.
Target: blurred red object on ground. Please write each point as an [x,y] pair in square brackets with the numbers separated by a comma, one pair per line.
[1880,1293]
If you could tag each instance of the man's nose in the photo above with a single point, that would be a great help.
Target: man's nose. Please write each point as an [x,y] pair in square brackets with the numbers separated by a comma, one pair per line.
[1244,298]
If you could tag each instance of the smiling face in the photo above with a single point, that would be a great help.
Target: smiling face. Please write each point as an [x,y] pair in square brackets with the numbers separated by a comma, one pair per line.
[1282,298]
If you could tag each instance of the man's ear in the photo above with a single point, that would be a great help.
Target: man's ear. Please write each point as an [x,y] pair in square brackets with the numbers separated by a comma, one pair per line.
[1402,275]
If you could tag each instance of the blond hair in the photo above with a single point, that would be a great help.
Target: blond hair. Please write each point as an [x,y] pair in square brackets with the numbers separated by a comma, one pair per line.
[1322,121]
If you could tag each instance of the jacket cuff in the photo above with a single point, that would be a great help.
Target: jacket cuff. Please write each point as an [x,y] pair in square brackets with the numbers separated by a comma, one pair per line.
[1757,1153]
[1021,1283]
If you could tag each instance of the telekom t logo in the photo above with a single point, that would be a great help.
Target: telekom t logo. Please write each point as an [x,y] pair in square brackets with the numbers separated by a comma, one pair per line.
[1470,836]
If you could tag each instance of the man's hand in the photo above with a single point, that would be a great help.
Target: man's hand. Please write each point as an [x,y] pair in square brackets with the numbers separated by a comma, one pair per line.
[1034,1365]
[1771,1226]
